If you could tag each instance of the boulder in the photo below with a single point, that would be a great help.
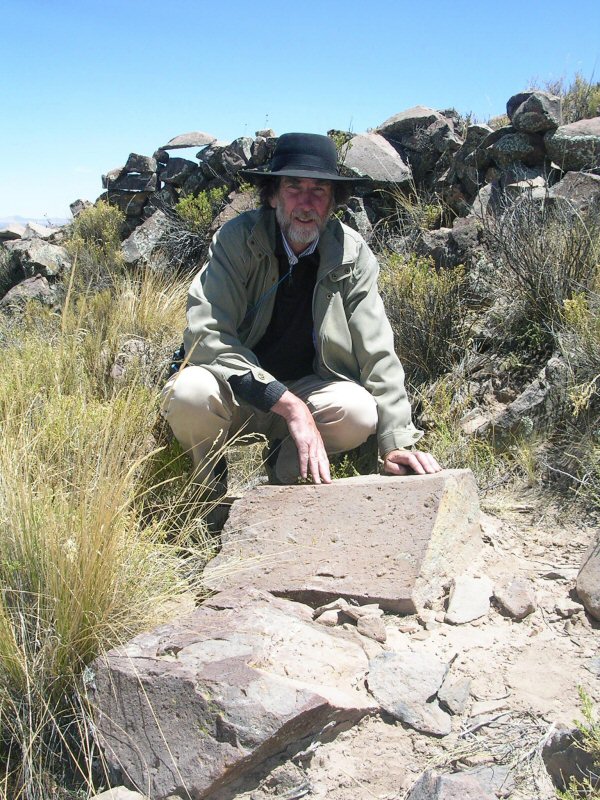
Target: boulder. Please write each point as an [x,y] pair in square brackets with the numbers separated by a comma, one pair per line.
[317,555]
[192,139]
[581,189]
[35,288]
[517,147]
[36,257]
[407,122]
[140,164]
[439,246]
[427,139]
[588,580]
[538,406]
[464,166]
[458,786]
[534,112]
[355,215]
[469,599]
[177,171]
[575,146]
[195,704]
[369,155]
[142,182]
[237,155]
[517,599]
[142,245]
[404,685]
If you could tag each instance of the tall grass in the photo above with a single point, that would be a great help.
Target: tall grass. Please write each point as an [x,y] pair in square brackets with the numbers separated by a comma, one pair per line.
[83,566]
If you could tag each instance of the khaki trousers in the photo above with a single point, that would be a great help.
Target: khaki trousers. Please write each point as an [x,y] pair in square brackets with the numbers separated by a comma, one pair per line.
[204,414]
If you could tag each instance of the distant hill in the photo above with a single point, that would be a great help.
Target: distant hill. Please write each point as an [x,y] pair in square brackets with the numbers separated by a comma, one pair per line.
[49,221]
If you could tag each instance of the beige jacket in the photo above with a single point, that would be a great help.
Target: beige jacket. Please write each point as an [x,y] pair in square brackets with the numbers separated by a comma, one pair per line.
[229,311]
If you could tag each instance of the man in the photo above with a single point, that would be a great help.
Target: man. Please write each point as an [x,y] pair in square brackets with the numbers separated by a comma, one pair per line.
[287,335]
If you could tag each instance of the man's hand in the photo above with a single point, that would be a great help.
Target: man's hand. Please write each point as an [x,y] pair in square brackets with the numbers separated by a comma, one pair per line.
[303,430]
[402,462]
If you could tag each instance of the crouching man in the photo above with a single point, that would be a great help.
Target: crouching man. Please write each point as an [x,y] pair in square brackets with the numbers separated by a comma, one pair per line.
[287,335]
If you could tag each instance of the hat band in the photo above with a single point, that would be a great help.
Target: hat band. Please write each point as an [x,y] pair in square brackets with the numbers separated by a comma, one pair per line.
[302,161]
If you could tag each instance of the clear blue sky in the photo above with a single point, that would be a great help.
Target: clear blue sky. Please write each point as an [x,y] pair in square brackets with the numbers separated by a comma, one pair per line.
[86,82]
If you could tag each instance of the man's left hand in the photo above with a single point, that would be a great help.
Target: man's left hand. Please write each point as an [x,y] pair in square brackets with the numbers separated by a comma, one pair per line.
[403,462]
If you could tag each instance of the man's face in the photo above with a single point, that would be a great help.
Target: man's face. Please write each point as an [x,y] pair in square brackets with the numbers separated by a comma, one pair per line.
[302,206]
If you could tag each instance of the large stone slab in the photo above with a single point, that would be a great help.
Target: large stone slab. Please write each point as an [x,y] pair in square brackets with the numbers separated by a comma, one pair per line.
[369,155]
[372,539]
[186,709]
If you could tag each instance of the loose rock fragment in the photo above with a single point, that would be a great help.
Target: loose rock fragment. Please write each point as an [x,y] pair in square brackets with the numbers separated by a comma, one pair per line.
[516,600]
[469,599]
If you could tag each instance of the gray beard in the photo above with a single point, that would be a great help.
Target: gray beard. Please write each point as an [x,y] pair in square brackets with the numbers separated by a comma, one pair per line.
[296,232]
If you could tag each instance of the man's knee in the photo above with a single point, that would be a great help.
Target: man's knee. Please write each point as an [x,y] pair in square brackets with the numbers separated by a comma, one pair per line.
[346,415]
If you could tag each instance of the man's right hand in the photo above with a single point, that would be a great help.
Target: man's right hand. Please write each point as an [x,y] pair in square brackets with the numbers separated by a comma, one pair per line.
[303,430]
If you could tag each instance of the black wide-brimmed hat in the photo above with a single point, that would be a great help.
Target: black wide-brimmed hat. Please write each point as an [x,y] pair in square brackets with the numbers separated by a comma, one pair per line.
[302,155]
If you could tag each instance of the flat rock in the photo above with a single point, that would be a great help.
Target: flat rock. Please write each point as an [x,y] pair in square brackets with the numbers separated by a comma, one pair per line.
[469,599]
[457,786]
[191,139]
[588,580]
[12,231]
[202,701]
[404,684]
[371,156]
[369,539]
[517,600]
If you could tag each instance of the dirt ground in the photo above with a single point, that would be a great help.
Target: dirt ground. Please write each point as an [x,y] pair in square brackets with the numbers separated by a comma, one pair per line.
[524,675]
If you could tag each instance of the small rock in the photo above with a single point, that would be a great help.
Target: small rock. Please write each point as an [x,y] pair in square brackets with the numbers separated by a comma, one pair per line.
[120,793]
[567,608]
[373,627]
[516,600]
[593,665]
[336,605]
[458,786]
[368,610]
[469,599]
[329,618]
[588,580]
[404,685]
[454,694]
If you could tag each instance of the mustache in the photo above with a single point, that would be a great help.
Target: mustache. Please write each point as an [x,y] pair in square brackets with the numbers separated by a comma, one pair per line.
[310,216]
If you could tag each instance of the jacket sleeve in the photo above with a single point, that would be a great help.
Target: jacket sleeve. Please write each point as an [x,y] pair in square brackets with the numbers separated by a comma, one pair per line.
[217,306]
[381,372]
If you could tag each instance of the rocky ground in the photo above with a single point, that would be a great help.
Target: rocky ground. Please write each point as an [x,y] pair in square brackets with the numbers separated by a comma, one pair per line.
[524,676]
[509,686]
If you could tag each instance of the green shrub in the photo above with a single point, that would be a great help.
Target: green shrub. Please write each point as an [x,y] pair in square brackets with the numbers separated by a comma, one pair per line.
[544,253]
[198,211]
[580,98]
[94,241]
[425,308]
